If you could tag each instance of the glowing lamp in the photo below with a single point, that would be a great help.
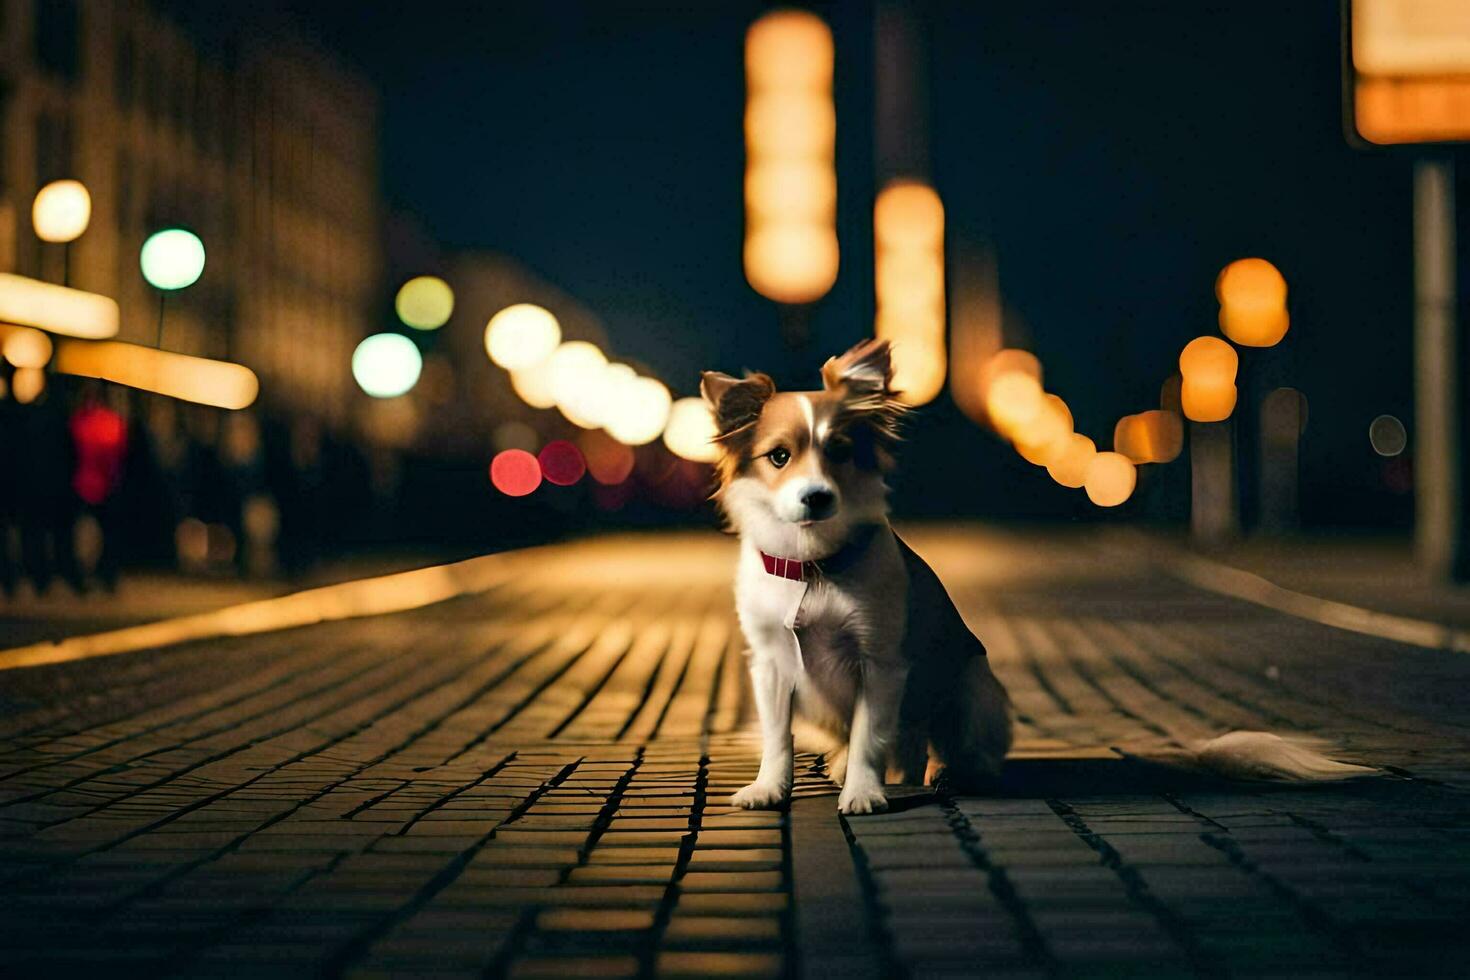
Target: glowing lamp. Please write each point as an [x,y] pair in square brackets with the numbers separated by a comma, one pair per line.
[919,367]
[691,431]
[24,347]
[1111,478]
[1013,401]
[561,463]
[62,210]
[789,49]
[908,216]
[1069,468]
[521,336]
[1206,402]
[640,413]
[424,302]
[27,384]
[1049,433]
[387,365]
[792,262]
[57,309]
[172,259]
[515,472]
[1165,434]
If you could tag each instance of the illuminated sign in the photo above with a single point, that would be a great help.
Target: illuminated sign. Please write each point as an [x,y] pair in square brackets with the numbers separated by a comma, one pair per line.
[1408,72]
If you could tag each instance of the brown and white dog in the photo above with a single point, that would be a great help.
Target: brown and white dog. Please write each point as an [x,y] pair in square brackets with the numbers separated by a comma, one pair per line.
[845,623]
[850,627]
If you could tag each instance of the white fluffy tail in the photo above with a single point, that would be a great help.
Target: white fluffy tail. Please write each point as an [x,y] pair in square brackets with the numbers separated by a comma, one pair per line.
[1261,755]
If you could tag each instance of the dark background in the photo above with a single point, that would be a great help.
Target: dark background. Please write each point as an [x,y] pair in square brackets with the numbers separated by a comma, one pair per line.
[1114,155]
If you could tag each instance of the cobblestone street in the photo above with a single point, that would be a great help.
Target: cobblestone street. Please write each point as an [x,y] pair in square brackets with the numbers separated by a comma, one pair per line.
[532,782]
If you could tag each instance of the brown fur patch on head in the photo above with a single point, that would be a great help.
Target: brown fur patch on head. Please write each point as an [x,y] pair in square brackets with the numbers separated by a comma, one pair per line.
[736,404]
[863,379]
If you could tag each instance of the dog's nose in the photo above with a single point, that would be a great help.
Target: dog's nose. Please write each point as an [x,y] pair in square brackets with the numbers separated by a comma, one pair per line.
[818,502]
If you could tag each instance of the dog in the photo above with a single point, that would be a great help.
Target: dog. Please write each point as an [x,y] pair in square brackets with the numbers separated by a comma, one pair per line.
[846,624]
[849,630]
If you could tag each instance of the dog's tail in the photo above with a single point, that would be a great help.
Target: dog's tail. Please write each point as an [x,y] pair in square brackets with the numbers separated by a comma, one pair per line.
[1263,756]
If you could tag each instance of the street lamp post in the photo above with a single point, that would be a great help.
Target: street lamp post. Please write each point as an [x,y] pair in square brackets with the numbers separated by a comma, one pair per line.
[60,213]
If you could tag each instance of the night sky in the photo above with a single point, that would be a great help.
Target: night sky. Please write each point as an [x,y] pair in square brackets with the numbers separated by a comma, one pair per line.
[1115,155]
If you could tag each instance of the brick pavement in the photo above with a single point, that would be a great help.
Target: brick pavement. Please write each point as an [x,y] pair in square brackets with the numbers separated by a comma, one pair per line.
[531,782]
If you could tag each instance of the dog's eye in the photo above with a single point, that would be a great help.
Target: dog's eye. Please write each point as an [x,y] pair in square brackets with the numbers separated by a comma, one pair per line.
[779,457]
[838,450]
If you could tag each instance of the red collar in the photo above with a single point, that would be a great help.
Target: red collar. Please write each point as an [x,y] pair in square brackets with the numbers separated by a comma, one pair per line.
[787,567]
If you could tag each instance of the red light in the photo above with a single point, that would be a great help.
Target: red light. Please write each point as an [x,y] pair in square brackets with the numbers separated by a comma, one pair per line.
[515,472]
[562,463]
[609,461]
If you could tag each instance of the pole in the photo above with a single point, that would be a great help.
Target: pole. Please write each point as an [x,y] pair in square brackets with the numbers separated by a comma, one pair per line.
[1214,517]
[1438,478]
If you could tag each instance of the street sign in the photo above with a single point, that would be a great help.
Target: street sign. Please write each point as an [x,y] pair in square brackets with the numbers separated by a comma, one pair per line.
[1407,71]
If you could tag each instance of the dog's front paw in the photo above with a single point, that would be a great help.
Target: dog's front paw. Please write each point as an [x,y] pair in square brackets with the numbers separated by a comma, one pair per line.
[761,796]
[856,800]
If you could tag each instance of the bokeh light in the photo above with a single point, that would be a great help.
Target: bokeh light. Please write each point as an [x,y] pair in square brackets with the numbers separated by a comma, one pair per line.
[561,463]
[62,210]
[639,413]
[1252,295]
[1154,436]
[201,380]
[608,461]
[1111,478]
[57,309]
[515,472]
[908,234]
[1048,434]
[521,336]
[691,431]
[24,347]
[574,369]
[424,302]
[1388,436]
[533,385]
[172,259]
[791,262]
[1208,366]
[27,384]
[791,253]
[387,365]
[1013,400]
[1069,468]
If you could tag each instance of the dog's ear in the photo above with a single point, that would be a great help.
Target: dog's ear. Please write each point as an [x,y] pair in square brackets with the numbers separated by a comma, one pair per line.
[866,369]
[735,402]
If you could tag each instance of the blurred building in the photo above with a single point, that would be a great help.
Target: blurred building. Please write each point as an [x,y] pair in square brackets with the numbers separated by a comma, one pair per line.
[246,134]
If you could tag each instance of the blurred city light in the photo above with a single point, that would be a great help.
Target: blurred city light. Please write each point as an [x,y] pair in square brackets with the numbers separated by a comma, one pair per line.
[1069,468]
[1252,295]
[790,253]
[575,369]
[219,384]
[1042,440]
[515,472]
[172,259]
[908,235]
[521,336]
[561,463]
[1111,478]
[609,461]
[1207,366]
[1012,400]
[640,412]
[1412,64]
[58,309]
[62,210]
[424,302]
[691,431]
[1387,436]
[387,365]
[25,347]
[1155,436]
[533,385]
[27,384]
